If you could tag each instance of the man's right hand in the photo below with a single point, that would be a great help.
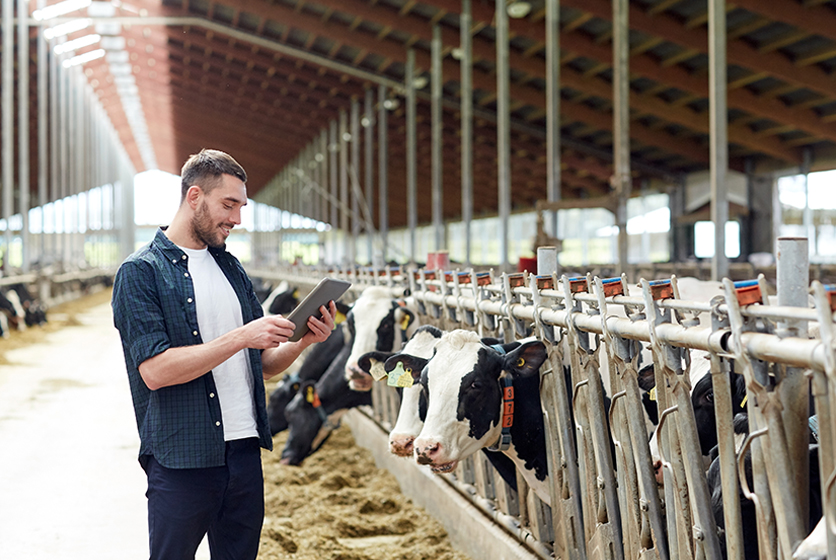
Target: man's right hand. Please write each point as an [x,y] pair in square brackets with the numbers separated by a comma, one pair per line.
[268,332]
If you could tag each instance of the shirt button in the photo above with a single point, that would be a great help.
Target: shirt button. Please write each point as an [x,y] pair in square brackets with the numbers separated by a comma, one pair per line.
[186,275]
[184,257]
[194,333]
[174,260]
[217,423]
[211,395]
[189,300]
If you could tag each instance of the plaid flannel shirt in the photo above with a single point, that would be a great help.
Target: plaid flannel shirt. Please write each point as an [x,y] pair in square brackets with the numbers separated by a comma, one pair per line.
[153,309]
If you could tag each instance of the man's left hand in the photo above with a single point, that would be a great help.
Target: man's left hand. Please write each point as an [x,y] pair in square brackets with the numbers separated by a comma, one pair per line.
[320,329]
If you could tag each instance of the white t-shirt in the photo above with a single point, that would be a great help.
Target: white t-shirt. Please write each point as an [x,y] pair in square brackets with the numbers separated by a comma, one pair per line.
[218,312]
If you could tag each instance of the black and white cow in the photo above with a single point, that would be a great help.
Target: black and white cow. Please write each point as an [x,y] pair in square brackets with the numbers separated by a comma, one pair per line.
[12,310]
[281,300]
[316,409]
[377,323]
[468,385]
[27,306]
[312,369]
[408,424]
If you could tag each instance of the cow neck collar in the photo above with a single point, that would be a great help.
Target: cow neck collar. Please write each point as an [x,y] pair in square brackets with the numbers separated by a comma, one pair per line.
[507,382]
[320,410]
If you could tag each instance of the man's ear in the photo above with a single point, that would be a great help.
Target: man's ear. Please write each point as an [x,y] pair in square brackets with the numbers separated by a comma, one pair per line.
[193,195]
[526,359]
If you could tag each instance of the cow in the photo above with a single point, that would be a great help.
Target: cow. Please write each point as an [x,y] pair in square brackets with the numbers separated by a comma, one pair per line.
[377,322]
[469,387]
[316,409]
[281,300]
[312,369]
[12,309]
[28,307]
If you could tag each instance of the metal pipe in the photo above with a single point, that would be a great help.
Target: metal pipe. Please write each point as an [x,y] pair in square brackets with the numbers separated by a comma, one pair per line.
[437,82]
[354,178]
[621,181]
[383,172]
[792,270]
[553,190]
[54,158]
[411,144]
[43,121]
[344,201]
[466,94]
[719,149]
[7,111]
[23,129]
[503,135]
[369,171]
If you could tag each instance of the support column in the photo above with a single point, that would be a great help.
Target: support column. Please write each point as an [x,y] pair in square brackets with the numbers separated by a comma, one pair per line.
[553,192]
[368,176]
[7,111]
[437,140]
[383,172]
[503,135]
[465,23]
[23,131]
[411,140]
[621,181]
[719,148]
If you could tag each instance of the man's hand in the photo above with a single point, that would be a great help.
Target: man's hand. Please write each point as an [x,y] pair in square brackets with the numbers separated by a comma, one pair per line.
[320,329]
[268,332]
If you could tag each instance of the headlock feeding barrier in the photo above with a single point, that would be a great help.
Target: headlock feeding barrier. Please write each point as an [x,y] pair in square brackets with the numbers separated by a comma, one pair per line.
[615,491]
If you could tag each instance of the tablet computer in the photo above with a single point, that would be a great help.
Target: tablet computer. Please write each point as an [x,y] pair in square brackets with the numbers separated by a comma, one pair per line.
[328,289]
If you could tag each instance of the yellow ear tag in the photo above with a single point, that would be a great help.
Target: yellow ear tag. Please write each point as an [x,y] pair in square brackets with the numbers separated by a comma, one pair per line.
[743,402]
[396,376]
[652,394]
[309,395]
[404,322]
[406,379]
[340,317]
[521,362]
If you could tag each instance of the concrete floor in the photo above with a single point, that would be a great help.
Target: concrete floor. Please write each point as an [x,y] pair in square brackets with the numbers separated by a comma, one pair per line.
[70,484]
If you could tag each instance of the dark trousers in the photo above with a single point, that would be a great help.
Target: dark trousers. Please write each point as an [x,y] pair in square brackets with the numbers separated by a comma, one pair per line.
[226,502]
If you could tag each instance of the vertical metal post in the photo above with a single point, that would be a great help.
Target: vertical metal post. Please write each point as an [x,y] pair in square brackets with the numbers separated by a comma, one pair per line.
[553,193]
[368,154]
[437,140]
[43,121]
[7,112]
[344,202]
[411,140]
[332,157]
[719,148]
[354,178]
[23,124]
[621,182]
[807,215]
[792,270]
[503,132]
[383,171]
[466,93]
[322,214]
[54,147]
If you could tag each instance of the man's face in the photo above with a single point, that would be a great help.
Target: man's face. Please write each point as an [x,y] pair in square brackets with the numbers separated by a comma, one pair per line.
[218,212]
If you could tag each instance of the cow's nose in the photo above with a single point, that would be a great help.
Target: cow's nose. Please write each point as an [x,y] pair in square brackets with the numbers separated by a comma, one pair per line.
[401,445]
[426,451]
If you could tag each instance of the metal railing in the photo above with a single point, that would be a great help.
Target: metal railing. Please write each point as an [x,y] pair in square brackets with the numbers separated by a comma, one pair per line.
[605,499]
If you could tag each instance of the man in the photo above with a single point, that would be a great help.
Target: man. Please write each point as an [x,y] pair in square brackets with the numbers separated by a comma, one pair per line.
[197,350]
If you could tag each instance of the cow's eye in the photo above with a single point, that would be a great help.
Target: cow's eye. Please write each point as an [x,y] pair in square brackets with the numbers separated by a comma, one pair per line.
[709,397]
[476,385]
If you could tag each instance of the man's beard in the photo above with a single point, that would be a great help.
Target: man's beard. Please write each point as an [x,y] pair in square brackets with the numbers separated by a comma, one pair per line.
[204,230]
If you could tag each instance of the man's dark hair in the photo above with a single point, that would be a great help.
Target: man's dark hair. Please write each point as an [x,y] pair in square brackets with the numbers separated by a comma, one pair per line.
[206,168]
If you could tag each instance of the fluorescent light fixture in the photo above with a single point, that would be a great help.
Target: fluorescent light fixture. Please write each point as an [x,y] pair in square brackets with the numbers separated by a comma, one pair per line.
[457,53]
[79,43]
[83,58]
[391,104]
[420,82]
[66,28]
[60,9]
[518,9]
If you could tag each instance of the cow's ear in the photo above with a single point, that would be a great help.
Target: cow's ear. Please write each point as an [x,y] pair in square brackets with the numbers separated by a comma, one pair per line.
[647,378]
[527,359]
[373,363]
[342,312]
[308,392]
[404,318]
[412,364]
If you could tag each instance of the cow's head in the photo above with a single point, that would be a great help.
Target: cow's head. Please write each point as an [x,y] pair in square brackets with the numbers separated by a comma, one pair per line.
[409,422]
[376,323]
[281,396]
[307,429]
[462,382]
